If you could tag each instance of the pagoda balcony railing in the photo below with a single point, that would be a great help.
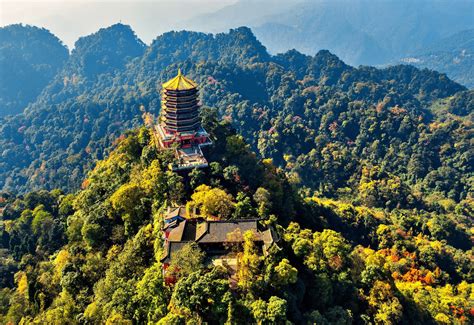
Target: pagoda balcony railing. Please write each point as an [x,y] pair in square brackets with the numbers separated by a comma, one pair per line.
[181,122]
[180,98]
[190,128]
[181,116]
[181,105]
[179,109]
[180,92]
[182,128]
[180,112]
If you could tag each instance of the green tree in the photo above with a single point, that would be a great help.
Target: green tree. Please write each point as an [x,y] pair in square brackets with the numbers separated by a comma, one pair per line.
[285,273]
[189,259]
[243,207]
[128,201]
[263,199]
[202,295]
[271,312]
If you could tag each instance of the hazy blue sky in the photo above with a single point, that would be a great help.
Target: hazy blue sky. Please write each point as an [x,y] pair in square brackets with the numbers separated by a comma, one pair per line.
[70,19]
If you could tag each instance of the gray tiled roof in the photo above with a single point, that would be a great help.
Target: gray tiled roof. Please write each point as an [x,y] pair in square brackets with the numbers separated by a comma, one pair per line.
[214,232]
[228,231]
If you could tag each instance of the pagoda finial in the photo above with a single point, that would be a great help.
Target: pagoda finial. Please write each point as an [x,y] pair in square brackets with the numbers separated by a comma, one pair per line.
[179,72]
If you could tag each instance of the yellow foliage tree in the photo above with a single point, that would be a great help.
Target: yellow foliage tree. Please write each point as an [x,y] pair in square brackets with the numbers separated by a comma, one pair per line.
[211,202]
[249,261]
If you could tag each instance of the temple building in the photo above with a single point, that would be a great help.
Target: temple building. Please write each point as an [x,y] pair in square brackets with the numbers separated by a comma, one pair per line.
[218,239]
[180,127]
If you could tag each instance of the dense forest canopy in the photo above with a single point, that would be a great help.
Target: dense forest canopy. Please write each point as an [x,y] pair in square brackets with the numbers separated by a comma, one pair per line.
[365,175]
[325,123]
[30,57]
[334,129]
[93,256]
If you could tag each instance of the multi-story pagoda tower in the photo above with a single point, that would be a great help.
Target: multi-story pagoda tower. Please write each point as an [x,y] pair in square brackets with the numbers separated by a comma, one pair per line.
[180,127]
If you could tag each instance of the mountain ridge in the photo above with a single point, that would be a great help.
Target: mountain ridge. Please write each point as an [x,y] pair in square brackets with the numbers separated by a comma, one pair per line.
[362,175]
[30,57]
[384,30]
[453,55]
[236,75]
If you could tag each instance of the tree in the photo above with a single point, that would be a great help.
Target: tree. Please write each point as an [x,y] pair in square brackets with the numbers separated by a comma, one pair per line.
[93,234]
[276,309]
[387,308]
[263,199]
[249,261]
[243,207]
[196,177]
[273,312]
[322,251]
[231,173]
[127,200]
[340,316]
[285,273]
[211,202]
[150,296]
[188,259]
[153,181]
[49,233]
[203,295]
[117,319]
[171,319]
[115,292]
[174,187]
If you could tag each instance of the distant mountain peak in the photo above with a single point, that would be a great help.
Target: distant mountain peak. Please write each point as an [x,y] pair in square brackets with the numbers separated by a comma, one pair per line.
[242,30]
[118,29]
[108,49]
[326,57]
[238,46]
[453,55]
[30,57]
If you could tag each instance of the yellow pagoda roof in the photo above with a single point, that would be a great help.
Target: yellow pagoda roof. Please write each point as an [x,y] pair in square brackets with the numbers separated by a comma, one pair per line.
[180,82]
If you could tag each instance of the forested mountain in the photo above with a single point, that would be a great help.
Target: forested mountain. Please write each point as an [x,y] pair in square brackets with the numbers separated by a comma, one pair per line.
[357,31]
[29,59]
[321,120]
[453,55]
[364,174]
[94,256]
[59,135]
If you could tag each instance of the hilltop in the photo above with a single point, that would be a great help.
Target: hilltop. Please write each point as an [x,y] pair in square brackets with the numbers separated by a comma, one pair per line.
[30,57]
[361,178]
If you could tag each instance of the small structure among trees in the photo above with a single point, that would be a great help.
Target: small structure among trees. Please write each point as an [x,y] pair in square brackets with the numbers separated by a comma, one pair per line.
[219,241]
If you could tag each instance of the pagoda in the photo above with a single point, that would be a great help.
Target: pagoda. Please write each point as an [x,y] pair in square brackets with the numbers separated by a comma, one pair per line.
[179,127]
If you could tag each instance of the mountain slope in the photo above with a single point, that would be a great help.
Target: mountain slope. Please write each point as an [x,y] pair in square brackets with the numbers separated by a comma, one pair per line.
[68,121]
[96,256]
[29,59]
[358,31]
[453,55]
[321,120]
[392,148]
